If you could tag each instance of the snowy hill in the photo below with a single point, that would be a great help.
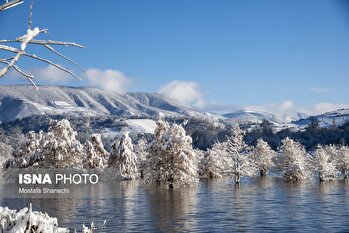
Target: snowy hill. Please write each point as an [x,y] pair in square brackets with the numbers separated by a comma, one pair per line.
[244,116]
[334,118]
[21,101]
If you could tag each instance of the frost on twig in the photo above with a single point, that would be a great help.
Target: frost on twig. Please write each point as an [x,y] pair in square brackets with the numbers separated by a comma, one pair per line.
[30,38]
[10,4]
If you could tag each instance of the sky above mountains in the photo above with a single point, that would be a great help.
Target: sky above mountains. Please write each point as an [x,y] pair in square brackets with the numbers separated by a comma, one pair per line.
[284,56]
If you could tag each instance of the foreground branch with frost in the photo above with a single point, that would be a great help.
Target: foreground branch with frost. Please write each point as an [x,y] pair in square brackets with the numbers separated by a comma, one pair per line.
[30,38]
[10,4]
[27,220]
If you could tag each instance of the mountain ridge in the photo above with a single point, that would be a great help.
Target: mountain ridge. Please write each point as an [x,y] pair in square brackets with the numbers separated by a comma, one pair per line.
[19,101]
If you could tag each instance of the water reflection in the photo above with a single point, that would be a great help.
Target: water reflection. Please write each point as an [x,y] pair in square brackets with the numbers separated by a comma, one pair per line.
[172,210]
[256,205]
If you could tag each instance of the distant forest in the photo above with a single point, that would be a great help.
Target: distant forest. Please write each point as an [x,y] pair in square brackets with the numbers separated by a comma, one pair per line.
[204,133]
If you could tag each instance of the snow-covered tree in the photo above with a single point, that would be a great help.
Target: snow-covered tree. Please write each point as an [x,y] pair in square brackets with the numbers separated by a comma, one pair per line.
[6,152]
[241,163]
[33,143]
[57,148]
[294,161]
[172,159]
[30,152]
[61,149]
[262,156]
[342,160]
[123,157]
[324,163]
[214,162]
[96,155]
[142,151]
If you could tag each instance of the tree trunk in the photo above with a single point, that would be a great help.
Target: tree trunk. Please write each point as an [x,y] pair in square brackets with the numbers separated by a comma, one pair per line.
[263,172]
[237,178]
[321,177]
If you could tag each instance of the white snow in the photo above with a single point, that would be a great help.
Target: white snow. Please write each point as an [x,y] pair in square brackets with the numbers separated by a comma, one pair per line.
[62,104]
[26,220]
[87,101]
[145,125]
[31,33]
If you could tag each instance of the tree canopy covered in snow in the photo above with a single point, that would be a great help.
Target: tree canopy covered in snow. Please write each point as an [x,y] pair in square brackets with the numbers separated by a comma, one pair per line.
[262,155]
[241,162]
[342,160]
[172,159]
[57,148]
[96,155]
[123,157]
[294,161]
[215,162]
[324,162]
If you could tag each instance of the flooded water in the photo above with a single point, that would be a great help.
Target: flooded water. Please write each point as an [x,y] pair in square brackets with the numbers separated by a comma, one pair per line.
[257,205]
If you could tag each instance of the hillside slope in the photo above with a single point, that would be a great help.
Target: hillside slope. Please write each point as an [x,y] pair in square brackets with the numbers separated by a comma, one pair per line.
[19,101]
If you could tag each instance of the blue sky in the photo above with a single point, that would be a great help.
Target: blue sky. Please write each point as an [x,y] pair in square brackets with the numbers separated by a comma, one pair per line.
[214,55]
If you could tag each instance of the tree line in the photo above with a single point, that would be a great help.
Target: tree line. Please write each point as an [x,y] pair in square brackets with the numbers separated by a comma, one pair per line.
[171,159]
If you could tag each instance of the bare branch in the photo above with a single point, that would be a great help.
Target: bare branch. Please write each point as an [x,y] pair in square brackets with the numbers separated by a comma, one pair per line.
[6,59]
[63,56]
[10,4]
[45,42]
[29,77]
[29,38]
[19,53]
[30,14]
[52,42]
[52,64]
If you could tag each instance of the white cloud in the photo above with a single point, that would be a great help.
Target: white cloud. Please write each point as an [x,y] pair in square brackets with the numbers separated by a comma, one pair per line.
[326,107]
[110,80]
[319,90]
[287,105]
[48,74]
[286,111]
[186,92]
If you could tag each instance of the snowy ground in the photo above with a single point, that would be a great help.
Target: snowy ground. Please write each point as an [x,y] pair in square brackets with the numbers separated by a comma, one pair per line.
[27,220]
[144,125]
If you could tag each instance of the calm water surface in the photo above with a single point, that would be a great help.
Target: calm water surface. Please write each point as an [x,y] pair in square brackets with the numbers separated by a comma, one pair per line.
[257,205]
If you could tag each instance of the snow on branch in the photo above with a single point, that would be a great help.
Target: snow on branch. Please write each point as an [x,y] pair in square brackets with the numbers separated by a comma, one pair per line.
[27,220]
[10,4]
[30,38]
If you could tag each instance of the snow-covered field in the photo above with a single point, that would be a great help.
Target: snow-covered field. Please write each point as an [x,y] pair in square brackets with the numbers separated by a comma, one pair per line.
[144,125]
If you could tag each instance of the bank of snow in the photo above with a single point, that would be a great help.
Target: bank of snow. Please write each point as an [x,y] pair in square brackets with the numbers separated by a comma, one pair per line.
[144,125]
[26,220]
